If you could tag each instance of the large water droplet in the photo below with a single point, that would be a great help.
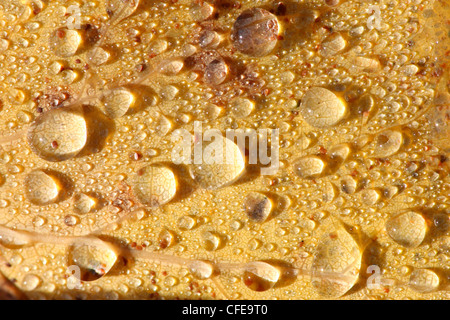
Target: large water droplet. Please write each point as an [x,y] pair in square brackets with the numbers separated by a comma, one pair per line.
[336,262]
[424,280]
[255,32]
[95,259]
[388,143]
[58,134]
[42,188]
[407,228]
[186,223]
[117,102]
[260,276]
[309,167]
[155,185]
[257,206]
[65,42]
[321,108]
[222,164]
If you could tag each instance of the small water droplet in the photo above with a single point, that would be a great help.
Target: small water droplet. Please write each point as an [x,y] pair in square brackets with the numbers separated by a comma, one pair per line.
[201,269]
[332,44]
[186,223]
[30,282]
[211,241]
[242,107]
[83,203]
[209,39]
[170,281]
[257,206]
[171,67]
[216,72]
[388,143]
[42,188]
[309,167]
[166,238]
[260,276]
[71,220]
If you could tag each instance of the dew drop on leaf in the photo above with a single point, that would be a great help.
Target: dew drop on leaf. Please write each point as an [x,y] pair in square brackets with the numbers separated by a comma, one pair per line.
[407,229]
[58,134]
[155,185]
[337,262]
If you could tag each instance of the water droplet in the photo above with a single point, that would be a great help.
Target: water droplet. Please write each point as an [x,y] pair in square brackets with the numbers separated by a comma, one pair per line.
[30,282]
[348,184]
[166,238]
[236,225]
[257,206]
[186,223]
[171,67]
[170,281]
[58,134]
[336,262]
[407,229]
[309,167]
[99,56]
[42,188]
[65,42]
[94,259]
[223,163]
[388,143]
[370,196]
[209,39]
[255,32]
[260,276]
[424,280]
[13,239]
[211,240]
[119,9]
[332,44]
[201,269]
[242,107]
[321,108]
[117,102]
[155,185]
[83,203]
[201,11]
[71,220]
[366,64]
[169,92]
[216,72]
